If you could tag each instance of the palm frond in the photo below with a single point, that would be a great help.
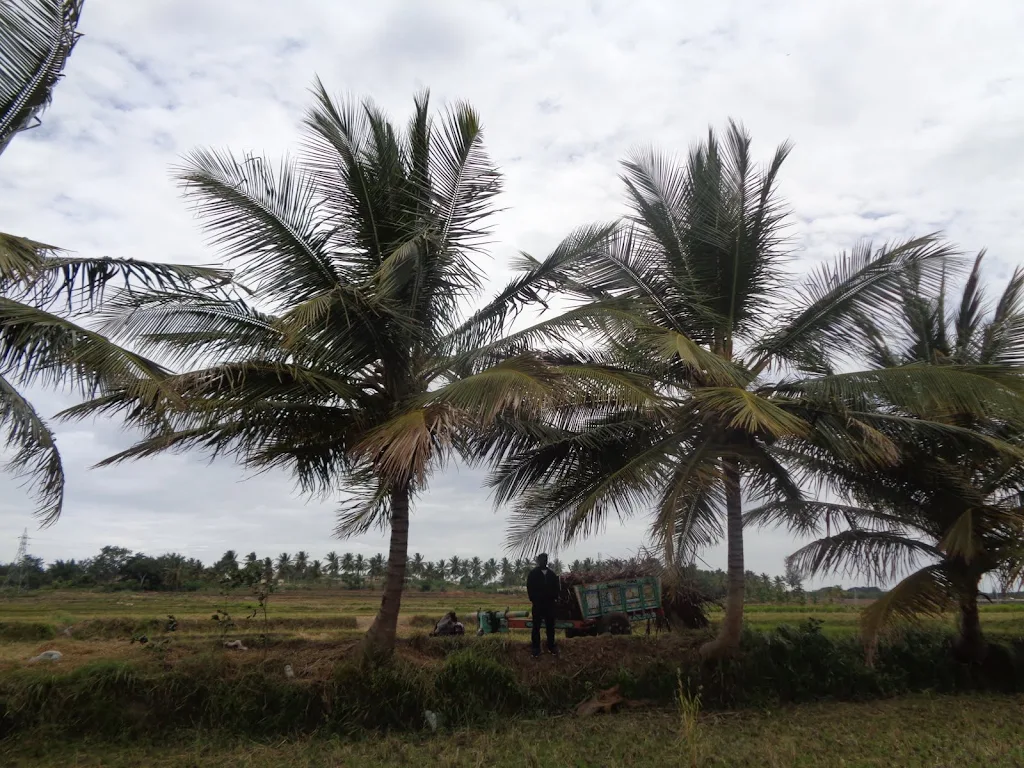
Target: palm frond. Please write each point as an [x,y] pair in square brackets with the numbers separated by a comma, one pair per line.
[20,259]
[36,39]
[689,510]
[926,592]
[924,390]
[37,346]
[34,450]
[537,281]
[368,507]
[518,384]
[967,321]
[1002,341]
[268,220]
[860,284]
[403,449]
[590,485]
[709,368]
[878,555]
[188,327]
[463,182]
[750,412]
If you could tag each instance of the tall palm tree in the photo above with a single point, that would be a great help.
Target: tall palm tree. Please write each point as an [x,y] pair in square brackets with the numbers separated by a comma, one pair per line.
[333,564]
[347,563]
[416,565]
[251,558]
[347,356]
[359,565]
[490,570]
[300,564]
[950,511]
[691,294]
[43,290]
[284,565]
[376,567]
[455,568]
[441,568]
[315,570]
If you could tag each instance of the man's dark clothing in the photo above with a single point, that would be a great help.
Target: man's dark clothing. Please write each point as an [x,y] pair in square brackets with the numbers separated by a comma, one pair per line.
[542,587]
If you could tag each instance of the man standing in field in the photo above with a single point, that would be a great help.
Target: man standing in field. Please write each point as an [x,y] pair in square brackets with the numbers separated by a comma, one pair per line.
[542,587]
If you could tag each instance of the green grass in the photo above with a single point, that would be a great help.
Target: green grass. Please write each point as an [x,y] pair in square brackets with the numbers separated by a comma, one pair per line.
[964,731]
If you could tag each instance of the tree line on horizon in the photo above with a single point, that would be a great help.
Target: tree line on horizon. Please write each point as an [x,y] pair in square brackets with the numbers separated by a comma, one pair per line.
[694,379]
[118,568]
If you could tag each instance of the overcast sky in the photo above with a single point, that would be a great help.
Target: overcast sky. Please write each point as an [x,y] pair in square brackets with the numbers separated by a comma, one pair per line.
[906,117]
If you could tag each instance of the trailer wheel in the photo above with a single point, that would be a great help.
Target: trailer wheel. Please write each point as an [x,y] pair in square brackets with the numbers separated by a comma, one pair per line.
[615,624]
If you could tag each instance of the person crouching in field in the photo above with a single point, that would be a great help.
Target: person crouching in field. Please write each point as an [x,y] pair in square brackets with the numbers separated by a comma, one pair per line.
[542,587]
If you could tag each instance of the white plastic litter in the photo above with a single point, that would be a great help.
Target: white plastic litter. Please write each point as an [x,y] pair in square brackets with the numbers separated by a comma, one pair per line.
[431,718]
[46,656]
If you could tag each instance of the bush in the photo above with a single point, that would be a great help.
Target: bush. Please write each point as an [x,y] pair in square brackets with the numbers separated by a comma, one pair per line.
[26,631]
[385,696]
[472,687]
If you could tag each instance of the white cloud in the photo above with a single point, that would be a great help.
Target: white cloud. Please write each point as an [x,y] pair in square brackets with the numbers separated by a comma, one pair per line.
[906,118]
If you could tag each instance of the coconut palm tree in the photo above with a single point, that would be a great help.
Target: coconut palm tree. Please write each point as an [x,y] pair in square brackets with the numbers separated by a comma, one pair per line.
[950,511]
[344,352]
[490,571]
[300,564]
[691,294]
[44,290]
[376,567]
[416,565]
[455,568]
[315,570]
[333,564]
[284,565]
[441,568]
[251,558]
[347,563]
[359,566]
[475,569]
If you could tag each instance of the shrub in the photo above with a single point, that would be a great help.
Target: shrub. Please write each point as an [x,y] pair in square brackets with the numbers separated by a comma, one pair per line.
[26,631]
[377,696]
[472,687]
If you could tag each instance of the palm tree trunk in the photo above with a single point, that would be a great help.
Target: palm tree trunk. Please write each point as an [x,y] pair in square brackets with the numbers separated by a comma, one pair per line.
[728,639]
[670,543]
[380,639]
[970,645]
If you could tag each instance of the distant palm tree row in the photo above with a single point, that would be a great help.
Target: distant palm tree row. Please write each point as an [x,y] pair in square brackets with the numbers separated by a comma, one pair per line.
[355,568]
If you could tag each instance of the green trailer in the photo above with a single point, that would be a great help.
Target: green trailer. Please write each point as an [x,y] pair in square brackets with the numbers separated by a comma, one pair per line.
[611,606]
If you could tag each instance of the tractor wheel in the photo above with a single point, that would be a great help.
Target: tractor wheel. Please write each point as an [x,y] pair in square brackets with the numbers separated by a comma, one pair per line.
[615,624]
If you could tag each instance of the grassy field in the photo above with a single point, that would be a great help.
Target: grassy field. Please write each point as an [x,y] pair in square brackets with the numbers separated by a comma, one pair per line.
[92,626]
[316,630]
[981,731]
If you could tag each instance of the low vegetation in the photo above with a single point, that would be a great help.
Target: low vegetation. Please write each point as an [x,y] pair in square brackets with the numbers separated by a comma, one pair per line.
[883,733]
